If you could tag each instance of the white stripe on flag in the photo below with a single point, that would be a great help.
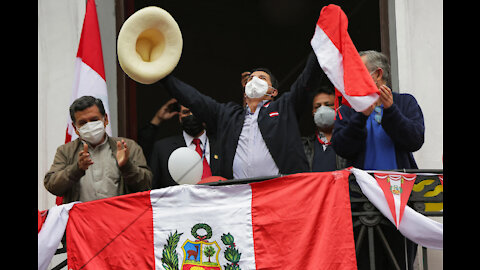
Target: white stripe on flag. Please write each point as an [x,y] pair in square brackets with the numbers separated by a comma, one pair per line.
[329,58]
[228,211]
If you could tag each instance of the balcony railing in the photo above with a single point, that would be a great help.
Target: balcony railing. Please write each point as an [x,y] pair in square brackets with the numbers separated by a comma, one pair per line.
[426,198]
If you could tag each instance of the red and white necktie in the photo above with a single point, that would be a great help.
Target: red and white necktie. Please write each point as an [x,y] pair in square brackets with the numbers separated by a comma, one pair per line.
[206,168]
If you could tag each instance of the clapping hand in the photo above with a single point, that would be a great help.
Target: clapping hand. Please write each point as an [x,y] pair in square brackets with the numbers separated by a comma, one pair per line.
[386,98]
[84,160]
[122,153]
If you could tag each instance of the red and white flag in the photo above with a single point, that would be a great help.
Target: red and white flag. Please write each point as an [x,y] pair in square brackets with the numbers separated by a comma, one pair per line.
[340,60]
[292,222]
[89,71]
[51,225]
[415,226]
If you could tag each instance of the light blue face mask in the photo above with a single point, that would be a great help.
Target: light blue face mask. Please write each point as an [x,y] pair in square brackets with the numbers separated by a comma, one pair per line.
[324,117]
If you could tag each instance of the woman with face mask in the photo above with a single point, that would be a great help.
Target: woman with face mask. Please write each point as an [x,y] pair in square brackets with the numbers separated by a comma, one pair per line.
[321,156]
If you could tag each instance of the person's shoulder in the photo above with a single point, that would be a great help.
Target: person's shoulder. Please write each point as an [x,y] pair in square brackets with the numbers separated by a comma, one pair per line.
[232,106]
[404,98]
[69,145]
[170,140]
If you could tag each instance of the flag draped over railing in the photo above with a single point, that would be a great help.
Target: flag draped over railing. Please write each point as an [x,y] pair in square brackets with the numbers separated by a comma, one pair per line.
[413,225]
[281,222]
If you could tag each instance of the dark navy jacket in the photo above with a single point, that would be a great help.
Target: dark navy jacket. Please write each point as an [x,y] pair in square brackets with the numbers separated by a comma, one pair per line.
[403,122]
[277,120]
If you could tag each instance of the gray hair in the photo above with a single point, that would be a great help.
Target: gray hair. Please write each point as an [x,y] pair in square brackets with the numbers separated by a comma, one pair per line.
[376,60]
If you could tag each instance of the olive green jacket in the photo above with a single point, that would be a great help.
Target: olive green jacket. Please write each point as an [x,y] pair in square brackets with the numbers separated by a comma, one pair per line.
[63,177]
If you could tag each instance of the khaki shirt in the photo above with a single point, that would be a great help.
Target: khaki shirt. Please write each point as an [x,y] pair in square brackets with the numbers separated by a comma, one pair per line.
[63,178]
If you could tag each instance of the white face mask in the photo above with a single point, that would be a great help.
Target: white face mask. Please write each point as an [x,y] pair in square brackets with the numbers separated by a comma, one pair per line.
[324,117]
[92,132]
[256,88]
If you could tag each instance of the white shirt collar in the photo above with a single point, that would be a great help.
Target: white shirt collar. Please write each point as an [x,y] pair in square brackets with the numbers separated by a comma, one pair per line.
[188,139]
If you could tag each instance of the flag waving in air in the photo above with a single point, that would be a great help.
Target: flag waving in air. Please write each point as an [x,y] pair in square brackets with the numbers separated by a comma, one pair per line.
[340,60]
[89,71]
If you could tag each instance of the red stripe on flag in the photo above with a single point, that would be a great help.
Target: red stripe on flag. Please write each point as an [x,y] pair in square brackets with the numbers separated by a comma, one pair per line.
[333,22]
[90,47]
[68,136]
[99,233]
[356,78]
[303,219]
[42,215]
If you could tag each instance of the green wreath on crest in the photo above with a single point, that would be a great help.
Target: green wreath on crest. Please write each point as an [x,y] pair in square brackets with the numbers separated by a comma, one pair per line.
[204,226]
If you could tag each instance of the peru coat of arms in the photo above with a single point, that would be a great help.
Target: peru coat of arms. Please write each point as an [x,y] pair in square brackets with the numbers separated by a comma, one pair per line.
[200,253]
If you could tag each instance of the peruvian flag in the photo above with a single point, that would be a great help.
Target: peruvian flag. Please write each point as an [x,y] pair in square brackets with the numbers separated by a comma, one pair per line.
[340,60]
[89,77]
[292,222]
[413,225]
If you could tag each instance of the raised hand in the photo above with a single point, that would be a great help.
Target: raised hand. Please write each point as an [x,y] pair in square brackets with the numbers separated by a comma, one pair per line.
[84,160]
[164,113]
[386,96]
[122,153]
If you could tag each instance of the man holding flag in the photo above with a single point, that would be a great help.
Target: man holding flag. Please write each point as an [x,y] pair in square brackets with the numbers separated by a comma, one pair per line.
[382,137]
[375,128]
